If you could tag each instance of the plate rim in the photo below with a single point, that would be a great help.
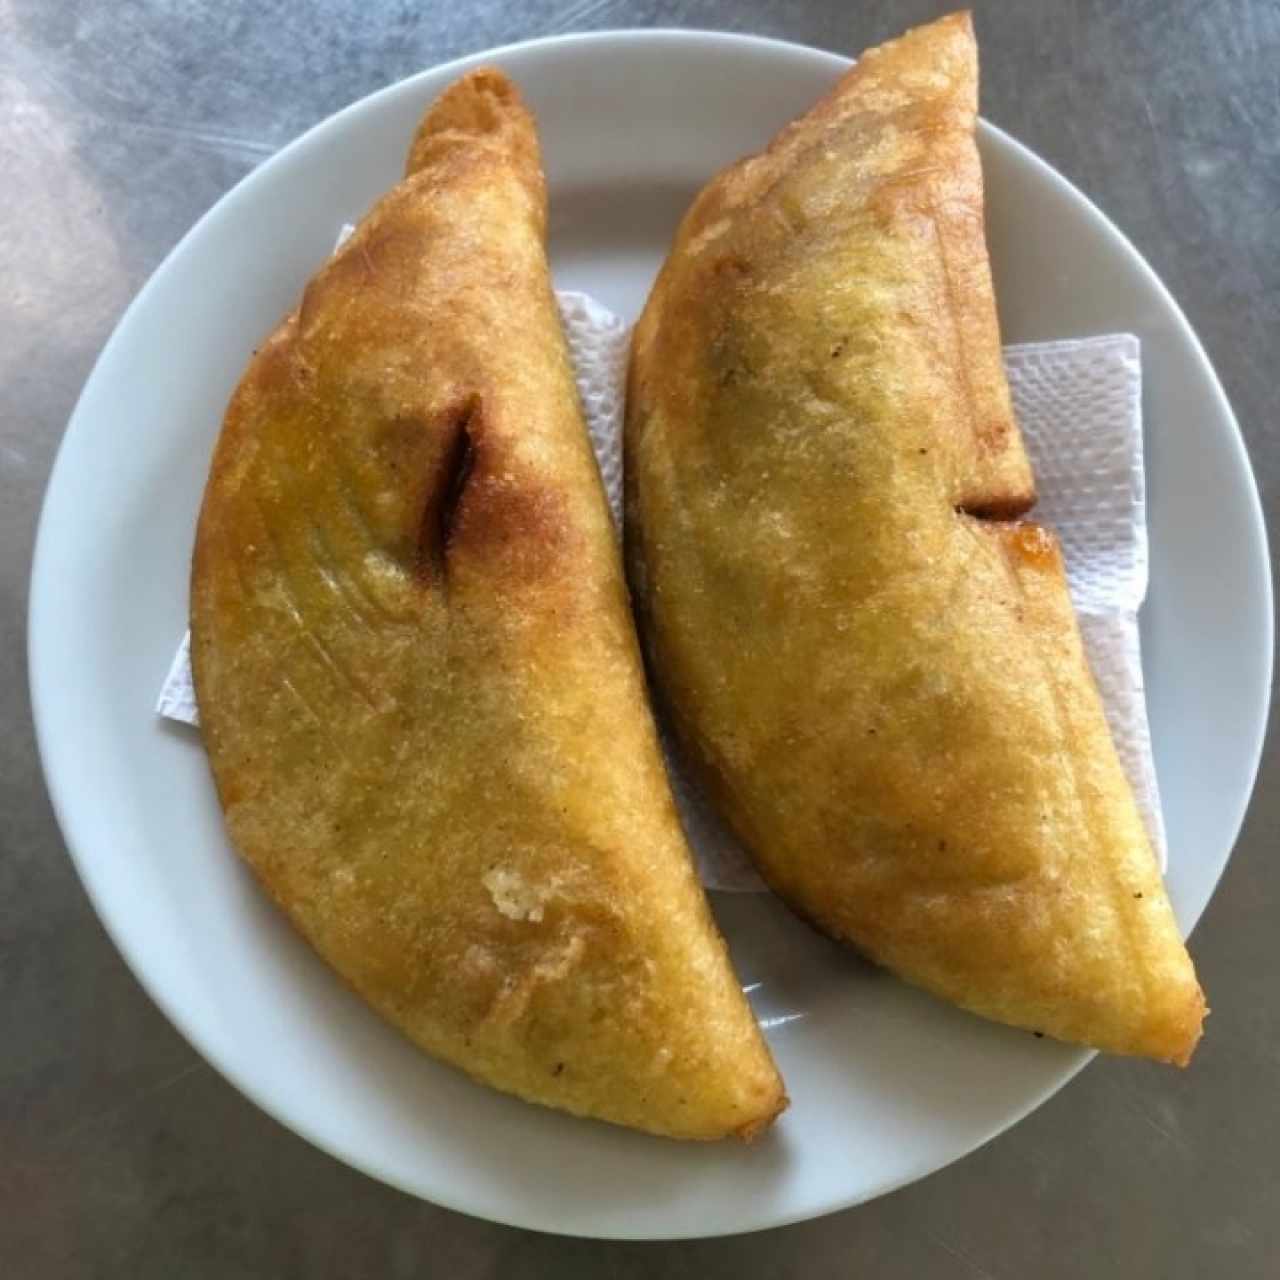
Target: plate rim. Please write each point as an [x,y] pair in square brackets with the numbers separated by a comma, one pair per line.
[41,678]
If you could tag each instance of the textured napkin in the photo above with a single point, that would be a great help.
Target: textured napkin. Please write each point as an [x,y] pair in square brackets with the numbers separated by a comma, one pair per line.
[1079,406]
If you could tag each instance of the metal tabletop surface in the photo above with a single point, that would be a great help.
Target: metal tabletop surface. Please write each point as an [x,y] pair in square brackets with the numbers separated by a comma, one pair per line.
[121,1151]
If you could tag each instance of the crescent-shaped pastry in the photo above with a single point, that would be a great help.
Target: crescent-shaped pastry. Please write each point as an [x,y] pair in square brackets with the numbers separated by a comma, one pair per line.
[872,663]
[418,677]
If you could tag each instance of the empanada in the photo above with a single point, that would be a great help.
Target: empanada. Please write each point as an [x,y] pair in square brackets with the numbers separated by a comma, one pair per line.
[876,669]
[418,676]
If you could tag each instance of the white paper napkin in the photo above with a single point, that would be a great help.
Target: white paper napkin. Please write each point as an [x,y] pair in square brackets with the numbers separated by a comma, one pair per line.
[1079,406]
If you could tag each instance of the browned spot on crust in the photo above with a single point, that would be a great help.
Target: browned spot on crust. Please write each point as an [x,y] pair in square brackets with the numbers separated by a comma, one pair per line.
[1034,545]
[524,525]
[731,267]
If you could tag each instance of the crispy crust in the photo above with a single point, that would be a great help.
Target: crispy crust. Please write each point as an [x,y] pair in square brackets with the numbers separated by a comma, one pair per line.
[886,696]
[418,677]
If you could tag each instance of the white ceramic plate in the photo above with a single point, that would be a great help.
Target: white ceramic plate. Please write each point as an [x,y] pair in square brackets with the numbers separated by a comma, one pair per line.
[888,1085]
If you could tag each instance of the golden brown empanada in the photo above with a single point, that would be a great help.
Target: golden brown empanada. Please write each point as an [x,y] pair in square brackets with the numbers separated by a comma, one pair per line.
[882,686]
[418,676]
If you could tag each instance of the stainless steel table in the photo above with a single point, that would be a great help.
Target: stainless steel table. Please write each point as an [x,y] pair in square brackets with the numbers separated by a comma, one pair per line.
[121,1153]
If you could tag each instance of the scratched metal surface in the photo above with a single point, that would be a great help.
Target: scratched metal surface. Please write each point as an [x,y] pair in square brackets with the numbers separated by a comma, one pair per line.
[120,1152]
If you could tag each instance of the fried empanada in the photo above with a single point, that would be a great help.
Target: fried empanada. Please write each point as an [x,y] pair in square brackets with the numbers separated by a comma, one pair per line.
[874,667]
[418,676]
